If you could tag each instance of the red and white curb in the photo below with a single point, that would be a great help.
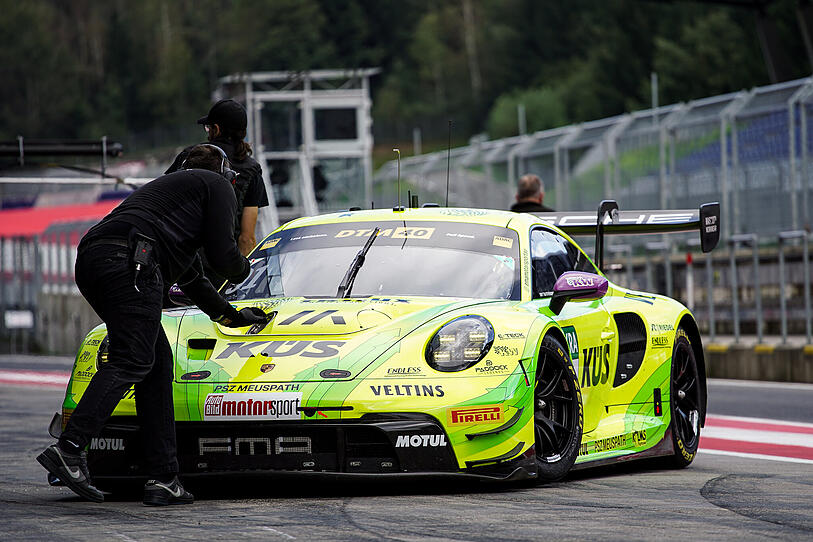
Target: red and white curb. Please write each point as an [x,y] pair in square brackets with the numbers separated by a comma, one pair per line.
[758,438]
[35,379]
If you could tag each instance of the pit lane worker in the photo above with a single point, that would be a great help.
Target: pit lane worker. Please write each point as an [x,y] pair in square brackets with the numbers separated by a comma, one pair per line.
[225,125]
[124,265]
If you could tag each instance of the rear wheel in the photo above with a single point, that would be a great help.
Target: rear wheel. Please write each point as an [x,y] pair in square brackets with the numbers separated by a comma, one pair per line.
[558,417]
[685,401]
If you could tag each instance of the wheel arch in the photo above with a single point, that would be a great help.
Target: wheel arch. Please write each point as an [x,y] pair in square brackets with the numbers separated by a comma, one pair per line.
[688,323]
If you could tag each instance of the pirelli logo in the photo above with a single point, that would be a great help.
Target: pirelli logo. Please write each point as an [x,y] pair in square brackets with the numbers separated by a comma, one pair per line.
[473,415]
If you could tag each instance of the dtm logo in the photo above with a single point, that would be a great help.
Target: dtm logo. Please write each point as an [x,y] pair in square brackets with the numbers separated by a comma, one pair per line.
[107,444]
[599,358]
[420,441]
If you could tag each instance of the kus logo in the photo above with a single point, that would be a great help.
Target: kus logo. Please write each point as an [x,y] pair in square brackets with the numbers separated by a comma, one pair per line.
[599,358]
[281,349]
[252,406]
[420,441]
[396,233]
[472,415]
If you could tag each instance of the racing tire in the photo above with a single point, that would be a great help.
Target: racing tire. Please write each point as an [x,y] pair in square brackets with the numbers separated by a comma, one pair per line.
[558,412]
[685,402]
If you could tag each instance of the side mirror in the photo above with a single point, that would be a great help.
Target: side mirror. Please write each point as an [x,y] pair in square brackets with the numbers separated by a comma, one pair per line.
[576,285]
[177,297]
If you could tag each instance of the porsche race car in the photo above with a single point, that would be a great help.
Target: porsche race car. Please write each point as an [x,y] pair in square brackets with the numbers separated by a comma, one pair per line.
[427,341]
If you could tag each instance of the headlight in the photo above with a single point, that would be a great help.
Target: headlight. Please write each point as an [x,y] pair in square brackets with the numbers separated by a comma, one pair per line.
[460,344]
[101,354]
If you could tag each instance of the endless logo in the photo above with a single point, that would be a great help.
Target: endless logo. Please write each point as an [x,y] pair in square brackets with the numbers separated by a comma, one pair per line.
[481,414]
[252,406]
[599,357]
[420,441]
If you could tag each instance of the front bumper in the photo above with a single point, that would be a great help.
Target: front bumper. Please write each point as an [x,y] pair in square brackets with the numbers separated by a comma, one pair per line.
[403,444]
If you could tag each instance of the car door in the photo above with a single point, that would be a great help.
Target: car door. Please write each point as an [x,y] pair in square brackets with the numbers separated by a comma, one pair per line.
[586,323]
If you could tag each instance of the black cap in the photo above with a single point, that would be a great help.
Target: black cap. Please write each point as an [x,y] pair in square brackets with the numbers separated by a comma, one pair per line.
[226,114]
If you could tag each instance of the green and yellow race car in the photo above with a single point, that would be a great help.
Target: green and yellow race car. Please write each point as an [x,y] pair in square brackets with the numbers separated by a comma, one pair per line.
[427,341]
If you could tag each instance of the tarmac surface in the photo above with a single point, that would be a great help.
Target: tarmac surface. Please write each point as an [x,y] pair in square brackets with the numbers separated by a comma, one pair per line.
[719,497]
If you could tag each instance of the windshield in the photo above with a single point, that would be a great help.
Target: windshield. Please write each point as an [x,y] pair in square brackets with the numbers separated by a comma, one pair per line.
[446,259]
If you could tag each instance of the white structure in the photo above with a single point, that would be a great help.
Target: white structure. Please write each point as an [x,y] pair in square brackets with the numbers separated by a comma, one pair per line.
[311,132]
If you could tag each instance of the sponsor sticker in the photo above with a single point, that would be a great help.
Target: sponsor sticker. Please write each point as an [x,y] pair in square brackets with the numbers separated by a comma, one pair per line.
[404,371]
[501,350]
[420,441]
[660,342]
[615,442]
[107,444]
[271,243]
[504,242]
[408,390]
[474,415]
[252,406]
[490,368]
[395,233]
[660,328]
[508,336]
[245,388]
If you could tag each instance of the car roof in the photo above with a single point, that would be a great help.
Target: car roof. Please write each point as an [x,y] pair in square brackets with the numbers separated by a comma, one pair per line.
[491,217]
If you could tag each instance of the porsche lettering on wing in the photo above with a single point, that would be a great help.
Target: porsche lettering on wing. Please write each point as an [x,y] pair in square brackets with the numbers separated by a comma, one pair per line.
[281,349]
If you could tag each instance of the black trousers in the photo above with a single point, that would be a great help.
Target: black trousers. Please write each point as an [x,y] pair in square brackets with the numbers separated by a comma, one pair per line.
[139,354]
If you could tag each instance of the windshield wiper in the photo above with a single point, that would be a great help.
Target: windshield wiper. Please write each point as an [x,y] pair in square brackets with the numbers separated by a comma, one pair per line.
[347,282]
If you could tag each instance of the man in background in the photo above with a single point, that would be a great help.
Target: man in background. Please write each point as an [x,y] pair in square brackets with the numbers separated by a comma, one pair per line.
[530,195]
[225,125]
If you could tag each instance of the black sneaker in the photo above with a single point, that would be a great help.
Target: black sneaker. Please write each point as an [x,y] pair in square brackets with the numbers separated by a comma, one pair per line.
[160,494]
[72,469]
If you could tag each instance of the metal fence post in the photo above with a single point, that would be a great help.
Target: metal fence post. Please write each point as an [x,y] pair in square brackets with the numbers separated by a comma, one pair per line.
[735,307]
[783,315]
[754,241]
[710,290]
[806,266]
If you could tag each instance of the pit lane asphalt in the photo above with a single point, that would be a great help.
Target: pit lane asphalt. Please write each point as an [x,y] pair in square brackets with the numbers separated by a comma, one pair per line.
[716,498]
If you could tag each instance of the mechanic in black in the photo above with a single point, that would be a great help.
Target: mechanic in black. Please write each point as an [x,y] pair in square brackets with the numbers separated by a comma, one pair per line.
[124,266]
[226,125]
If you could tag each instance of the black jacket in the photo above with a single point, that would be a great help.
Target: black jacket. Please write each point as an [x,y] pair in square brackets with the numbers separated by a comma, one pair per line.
[249,188]
[530,207]
[183,212]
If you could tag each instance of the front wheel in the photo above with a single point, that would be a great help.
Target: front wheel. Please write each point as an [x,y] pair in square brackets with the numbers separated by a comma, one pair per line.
[558,416]
[685,401]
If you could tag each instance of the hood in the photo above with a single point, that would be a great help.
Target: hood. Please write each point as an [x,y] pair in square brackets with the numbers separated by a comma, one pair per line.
[307,340]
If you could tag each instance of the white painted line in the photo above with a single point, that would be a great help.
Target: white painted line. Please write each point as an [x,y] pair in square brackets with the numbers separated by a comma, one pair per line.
[761,384]
[757,420]
[279,533]
[34,377]
[756,456]
[764,437]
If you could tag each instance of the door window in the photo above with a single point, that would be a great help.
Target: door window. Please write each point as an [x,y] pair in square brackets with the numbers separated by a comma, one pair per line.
[552,255]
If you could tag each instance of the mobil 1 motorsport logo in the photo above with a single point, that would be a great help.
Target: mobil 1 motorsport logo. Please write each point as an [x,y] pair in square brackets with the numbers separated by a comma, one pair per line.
[252,406]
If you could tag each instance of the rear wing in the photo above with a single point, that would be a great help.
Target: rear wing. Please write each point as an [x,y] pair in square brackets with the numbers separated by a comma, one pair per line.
[610,220]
